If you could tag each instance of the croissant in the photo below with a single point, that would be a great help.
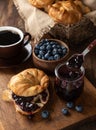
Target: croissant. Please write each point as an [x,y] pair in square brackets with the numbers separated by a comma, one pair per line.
[65,12]
[28,90]
[85,9]
[29,82]
[41,3]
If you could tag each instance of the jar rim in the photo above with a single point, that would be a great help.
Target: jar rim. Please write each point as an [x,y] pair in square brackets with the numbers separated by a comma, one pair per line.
[60,65]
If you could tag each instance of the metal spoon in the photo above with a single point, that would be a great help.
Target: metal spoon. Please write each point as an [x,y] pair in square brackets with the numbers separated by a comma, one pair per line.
[76,60]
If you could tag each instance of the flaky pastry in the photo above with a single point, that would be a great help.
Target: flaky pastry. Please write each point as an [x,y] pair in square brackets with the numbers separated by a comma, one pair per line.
[29,82]
[82,7]
[40,3]
[28,90]
[65,12]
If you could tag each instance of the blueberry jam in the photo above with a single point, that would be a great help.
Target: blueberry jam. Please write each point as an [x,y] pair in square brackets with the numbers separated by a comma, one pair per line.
[75,61]
[27,103]
[44,96]
[69,82]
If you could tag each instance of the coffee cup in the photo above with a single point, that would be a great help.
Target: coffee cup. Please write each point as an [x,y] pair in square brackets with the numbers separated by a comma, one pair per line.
[12,41]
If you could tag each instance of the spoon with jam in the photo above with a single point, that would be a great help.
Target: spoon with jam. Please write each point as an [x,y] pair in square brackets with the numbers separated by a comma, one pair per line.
[76,60]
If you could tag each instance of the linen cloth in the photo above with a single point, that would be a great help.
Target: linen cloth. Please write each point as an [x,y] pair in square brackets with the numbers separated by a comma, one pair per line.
[37,22]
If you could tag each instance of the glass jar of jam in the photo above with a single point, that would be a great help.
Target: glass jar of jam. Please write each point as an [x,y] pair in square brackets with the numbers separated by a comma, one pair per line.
[69,82]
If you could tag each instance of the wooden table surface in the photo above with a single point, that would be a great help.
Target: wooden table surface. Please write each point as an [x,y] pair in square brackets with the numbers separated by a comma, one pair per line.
[9,16]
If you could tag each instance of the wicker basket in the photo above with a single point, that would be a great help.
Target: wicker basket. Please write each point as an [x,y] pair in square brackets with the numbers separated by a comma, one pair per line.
[75,34]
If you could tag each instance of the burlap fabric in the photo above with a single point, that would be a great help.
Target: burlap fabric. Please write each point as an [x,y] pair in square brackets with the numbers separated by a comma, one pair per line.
[38,23]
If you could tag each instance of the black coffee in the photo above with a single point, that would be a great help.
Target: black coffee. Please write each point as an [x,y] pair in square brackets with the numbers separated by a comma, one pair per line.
[8,37]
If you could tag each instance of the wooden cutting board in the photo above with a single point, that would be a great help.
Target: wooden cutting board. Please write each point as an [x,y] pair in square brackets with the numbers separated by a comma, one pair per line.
[11,120]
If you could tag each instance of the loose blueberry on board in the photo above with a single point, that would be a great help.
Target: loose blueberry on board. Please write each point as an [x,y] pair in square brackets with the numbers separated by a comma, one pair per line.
[70,105]
[79,108]
[65,111]
[30,117]
[45,114]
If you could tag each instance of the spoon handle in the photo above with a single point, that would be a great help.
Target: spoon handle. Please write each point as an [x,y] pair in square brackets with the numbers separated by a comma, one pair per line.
[89,47]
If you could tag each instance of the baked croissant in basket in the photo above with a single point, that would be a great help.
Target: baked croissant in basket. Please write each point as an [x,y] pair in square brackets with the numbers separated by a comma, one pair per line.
[40,3]
[84,9]
[65,12]
[28,90]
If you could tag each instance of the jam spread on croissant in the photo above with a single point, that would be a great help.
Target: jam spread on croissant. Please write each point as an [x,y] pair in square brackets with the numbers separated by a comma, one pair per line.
[31,103]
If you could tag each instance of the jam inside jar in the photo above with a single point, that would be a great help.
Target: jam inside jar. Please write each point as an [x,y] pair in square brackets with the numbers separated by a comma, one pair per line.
[69,82]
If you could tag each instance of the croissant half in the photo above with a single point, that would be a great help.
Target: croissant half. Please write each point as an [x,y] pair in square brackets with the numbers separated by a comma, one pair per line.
[28,90]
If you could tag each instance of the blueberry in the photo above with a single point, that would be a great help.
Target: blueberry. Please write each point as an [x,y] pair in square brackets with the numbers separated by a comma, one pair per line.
[49,51]
[58,46]
[45,114]
[36,51]
[79,108]
[44,40]
[42,47]
[57,56]
[43,58]
[59,50]
[54,51]
[48,47]
[55,43]
[47,43]
[64,51]
[47,56]
[54,46]
[52,43]
[39,56]
[70,104]
[42,53]
[51,58]
[63,47]
[65,111]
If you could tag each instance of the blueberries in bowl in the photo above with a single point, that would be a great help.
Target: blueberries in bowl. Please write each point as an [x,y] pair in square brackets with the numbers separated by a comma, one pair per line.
[50,50]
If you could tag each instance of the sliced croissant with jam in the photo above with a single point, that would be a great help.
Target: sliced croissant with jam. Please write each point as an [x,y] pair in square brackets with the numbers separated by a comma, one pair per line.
[28,90]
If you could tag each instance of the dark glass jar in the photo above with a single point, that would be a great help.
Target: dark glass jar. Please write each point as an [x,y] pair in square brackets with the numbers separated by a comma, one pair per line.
[69,83]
